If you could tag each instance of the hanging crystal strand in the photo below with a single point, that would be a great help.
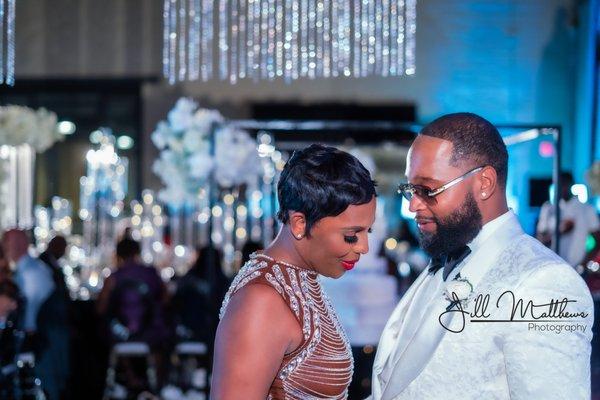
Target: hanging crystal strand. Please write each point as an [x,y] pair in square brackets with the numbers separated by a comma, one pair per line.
[378,38]
[385,37]
[188,227]
[372,38]
[271,42]
[364,38]
[411,28]
[203,218]
[280,32]
[181,11]
[233,67]
[172,24]
[250,39]
[256,40]
[295,40]
[223,61]
[228,227]
[346,44]
[2,60]
[243,39]
[356,22]
[312,38]
[319,38]
[207,39]
[241,223]
[336,39]
[304,38]
[327,64]
[289,39]
[10,46]
[264,38]
[194,40]
[400,38]
[204,22]
[394,37]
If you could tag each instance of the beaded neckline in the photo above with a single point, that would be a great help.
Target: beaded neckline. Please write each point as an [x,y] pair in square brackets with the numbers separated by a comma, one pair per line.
[272,260]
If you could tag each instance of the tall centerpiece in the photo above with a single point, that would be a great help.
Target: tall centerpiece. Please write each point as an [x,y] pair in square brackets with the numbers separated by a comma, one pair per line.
[23,133]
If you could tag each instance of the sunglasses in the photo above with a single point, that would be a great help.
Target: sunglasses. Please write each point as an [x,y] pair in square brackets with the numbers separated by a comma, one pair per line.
[408,190]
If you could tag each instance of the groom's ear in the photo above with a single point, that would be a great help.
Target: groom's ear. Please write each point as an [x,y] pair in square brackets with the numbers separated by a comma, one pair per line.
[297,223]
[488,182]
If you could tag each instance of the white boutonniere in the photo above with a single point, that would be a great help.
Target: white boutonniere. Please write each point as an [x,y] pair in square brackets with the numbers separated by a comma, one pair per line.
[458,290]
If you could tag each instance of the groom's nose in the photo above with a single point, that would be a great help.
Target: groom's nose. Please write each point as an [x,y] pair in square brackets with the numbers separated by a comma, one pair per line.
[416,204]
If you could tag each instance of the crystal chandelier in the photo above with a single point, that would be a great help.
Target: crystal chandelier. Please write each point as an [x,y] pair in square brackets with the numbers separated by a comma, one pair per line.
[287,39]
[7,42]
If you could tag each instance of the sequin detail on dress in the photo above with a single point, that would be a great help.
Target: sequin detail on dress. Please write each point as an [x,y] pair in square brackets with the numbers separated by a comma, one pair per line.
[321,367]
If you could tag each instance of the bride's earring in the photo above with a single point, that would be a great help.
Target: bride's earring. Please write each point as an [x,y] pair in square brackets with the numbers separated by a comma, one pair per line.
[483,195]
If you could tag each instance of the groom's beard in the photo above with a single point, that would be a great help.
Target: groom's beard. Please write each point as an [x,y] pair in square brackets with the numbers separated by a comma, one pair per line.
[454,231]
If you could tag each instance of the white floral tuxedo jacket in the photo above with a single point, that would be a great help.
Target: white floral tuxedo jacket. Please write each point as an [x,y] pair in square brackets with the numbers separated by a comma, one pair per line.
[537,349]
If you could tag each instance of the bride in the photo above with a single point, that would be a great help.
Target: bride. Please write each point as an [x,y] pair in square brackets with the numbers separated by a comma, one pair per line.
[279,336]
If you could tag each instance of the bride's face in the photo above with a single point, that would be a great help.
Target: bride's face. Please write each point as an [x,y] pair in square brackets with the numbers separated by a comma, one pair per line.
[335,244]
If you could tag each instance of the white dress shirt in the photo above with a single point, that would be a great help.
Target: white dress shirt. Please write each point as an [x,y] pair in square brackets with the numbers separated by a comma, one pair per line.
[585,221]
[35,281]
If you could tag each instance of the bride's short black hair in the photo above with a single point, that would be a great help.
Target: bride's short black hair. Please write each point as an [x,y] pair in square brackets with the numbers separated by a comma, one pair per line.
[321,181]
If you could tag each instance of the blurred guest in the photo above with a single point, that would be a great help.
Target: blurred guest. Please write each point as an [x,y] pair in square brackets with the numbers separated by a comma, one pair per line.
[135,295]
[9,338]
[32,277]
[53,325]
[577,221]
[55,251]
[199,295]
[132,303]
[5,272]
[9,297]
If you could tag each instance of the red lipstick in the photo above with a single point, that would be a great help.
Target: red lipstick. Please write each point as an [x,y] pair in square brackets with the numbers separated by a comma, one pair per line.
[348,265]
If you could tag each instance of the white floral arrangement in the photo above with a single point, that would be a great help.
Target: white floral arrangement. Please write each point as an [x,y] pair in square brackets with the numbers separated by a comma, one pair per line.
[22,125]
[185,162]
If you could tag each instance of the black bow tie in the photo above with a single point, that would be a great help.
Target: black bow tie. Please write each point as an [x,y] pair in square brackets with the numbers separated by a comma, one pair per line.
[448,261]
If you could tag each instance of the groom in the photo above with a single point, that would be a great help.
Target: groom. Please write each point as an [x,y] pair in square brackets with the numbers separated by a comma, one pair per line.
[496,315]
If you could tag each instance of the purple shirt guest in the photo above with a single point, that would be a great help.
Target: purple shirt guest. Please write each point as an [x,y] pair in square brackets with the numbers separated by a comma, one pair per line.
[133,297]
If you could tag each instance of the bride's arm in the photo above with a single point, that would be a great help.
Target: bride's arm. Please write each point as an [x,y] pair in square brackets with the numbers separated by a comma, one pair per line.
[253,336]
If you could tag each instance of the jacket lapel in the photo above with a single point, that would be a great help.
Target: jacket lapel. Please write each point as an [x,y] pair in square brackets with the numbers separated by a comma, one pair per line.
[389,337]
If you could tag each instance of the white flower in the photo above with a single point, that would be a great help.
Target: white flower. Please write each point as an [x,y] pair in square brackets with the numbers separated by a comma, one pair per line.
[195,140]
[181,117]
[161,134]
[200,165]
[204,119]
[185,161]
[22,125]
[458,289]
[237,160]
[175,144]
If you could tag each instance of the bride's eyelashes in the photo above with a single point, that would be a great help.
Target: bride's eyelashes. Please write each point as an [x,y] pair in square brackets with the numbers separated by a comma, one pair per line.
[353,239]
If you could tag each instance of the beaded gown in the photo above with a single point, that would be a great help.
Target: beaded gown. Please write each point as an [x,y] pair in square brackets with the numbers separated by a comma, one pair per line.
[321,367]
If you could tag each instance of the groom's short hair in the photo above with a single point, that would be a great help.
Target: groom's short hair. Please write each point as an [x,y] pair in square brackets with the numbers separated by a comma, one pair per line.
[321,181]
[475,141]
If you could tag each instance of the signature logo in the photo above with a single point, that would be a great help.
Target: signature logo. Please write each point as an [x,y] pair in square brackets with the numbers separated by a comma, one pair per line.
[553,312]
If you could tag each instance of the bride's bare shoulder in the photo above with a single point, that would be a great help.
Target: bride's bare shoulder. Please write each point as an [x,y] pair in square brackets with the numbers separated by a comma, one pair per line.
[259,307]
